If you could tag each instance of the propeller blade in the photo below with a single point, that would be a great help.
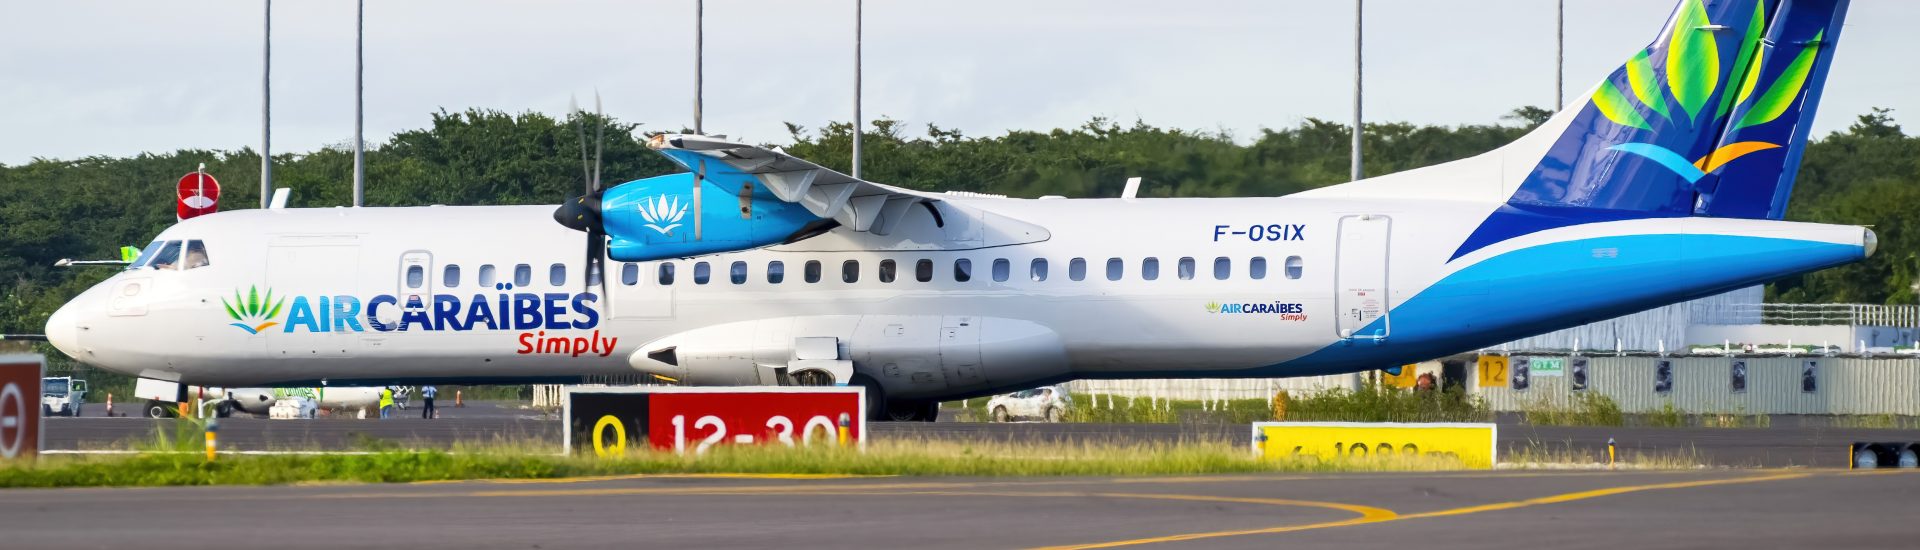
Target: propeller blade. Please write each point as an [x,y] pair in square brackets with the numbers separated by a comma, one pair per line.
[599,139]
[698,174]
[596,249]
[580,129]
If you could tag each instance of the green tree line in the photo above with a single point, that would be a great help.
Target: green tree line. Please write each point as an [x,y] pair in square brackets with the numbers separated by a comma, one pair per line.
[87,208]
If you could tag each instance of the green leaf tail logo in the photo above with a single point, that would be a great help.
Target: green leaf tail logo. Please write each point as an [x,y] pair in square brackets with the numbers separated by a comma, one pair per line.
[252,312]
[1213,307]
[1692,74]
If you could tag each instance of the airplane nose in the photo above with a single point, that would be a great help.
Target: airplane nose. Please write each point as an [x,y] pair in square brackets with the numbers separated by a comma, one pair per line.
[63,331]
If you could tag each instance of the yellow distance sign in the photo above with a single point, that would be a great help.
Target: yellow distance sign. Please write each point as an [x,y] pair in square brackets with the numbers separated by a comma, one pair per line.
[1471,444]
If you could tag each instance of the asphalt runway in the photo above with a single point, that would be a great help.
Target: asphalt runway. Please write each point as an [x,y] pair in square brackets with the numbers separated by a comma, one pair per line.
[1780,446]
[1520,510]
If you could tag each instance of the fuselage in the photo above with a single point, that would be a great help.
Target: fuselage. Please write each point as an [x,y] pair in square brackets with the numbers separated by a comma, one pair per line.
[1111,288]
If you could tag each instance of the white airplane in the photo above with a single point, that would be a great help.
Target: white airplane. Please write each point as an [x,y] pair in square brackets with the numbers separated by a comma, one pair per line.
[261,400]
[1666,182]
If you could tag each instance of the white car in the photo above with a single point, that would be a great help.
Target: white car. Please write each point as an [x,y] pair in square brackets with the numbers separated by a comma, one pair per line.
[1048,403]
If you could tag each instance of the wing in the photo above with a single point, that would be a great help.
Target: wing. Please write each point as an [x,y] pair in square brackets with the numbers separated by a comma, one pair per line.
[857,204]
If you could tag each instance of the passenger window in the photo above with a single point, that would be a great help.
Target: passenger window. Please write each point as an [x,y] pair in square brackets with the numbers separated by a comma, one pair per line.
[1294,268]
[1185,269]
[1150,268]
[923,270]
[776,272]
[522,275]
[1039,271]
[1116,269]
[450,277]
[196,256]
[168,256]
[702,272]
[813,271]
[629,274]
[666,273]
[416,276]
[850,271]
[738,273]
[488,276]
[1077,269]
[1001,270]
[1222,268]
[962,270]
[1257,268]
[887,271]
[557,275]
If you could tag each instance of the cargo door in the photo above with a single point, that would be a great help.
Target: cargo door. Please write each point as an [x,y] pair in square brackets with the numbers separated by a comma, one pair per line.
[1360,277]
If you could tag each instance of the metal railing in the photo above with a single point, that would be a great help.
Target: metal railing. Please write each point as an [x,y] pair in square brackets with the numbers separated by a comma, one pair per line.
[1903,316]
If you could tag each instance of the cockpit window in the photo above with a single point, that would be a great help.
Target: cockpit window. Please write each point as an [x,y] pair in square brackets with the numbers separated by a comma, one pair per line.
[147,255]
[168,255]
[196,256]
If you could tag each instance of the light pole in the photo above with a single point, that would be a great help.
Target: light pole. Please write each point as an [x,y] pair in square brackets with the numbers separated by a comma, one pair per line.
[1560,56]
[1359,9]
[699,12]
[266,106]
[359,107]
[856,88]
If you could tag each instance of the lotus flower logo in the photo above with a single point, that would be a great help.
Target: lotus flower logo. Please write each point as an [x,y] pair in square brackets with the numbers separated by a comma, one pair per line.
[252,312]
[1213,307]
[1691,76]
[663,213]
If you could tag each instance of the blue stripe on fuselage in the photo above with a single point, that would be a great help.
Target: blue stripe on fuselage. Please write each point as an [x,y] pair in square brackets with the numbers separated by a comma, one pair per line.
[1554,286]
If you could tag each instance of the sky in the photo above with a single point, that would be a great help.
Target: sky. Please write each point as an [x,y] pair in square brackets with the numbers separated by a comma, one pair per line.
[121,77]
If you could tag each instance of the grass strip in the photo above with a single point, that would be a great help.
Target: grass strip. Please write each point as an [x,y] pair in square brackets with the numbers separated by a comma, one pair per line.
[904,457]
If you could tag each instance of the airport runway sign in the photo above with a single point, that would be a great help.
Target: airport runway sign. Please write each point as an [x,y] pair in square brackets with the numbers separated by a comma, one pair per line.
[1470,443]
[20,434]
[609,421]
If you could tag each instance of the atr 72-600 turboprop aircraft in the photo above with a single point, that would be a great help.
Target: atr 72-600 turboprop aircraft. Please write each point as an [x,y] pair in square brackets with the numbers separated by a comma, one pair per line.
[1666,183]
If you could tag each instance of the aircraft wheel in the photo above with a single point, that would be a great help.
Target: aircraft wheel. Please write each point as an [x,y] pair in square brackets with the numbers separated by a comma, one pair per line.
[912,411]
[876,396]
[1000,415]
[224,409]
[156,409]
[1909,458]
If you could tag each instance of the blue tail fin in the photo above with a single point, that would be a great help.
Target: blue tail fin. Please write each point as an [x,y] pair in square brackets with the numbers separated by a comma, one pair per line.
[1751,170]
[1710,119]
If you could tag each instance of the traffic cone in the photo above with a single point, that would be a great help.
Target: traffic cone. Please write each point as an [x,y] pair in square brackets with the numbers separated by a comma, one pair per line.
[456,400]
[109,405]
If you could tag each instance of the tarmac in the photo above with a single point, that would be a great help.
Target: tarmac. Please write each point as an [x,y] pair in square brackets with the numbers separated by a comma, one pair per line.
[1787,444]
[1720,508]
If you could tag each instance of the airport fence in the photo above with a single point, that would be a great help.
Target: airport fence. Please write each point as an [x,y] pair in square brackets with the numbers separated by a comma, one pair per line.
[1709,385]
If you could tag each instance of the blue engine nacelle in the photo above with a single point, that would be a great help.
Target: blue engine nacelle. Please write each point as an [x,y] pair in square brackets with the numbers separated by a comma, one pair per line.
[653,218]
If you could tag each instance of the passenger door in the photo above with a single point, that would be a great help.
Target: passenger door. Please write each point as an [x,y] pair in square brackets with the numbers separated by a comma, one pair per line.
[1360,277]
[416,283]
